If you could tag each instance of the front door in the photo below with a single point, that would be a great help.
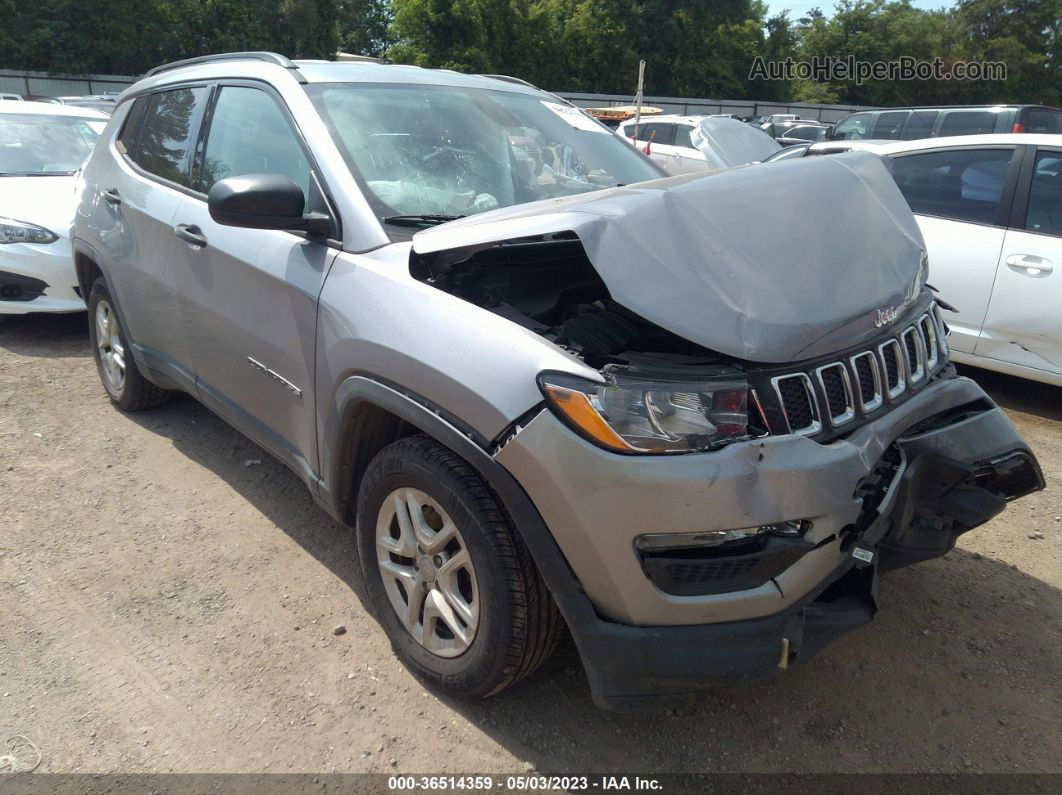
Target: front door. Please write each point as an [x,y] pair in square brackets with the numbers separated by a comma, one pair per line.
[251,295]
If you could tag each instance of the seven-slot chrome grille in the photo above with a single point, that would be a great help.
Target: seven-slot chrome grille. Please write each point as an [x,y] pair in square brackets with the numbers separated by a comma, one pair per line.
[831,395]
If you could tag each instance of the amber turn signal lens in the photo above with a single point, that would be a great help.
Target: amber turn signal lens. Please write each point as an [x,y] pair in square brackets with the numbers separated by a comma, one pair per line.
[576,407]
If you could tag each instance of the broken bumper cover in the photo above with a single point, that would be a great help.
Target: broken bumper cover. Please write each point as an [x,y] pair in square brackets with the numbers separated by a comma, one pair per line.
[953,460]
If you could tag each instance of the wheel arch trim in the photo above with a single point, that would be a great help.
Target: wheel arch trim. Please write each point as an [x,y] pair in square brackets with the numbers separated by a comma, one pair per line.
[359,390]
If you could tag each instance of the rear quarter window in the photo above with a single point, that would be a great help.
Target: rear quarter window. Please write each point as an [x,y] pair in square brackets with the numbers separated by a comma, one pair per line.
[1043,120]
[968,122]
[131,126]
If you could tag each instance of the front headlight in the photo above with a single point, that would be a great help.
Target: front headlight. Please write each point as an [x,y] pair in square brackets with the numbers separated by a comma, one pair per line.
[12,231]
[634,415]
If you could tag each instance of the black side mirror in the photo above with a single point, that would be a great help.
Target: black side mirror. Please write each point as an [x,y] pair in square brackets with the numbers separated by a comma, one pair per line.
[263,201]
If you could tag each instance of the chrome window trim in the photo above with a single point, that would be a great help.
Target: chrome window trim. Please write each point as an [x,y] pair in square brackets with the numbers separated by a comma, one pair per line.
[879,390]
[849,413]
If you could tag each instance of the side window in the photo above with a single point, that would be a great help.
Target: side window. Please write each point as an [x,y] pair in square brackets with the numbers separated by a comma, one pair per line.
[657,132]
[249,134]
[682,136]
[890,125]
[805,133]
[1042,120]
[131,126]
[854,128]
[168,133]
[964,185]
[968,122]
[920,125]
[1045,197]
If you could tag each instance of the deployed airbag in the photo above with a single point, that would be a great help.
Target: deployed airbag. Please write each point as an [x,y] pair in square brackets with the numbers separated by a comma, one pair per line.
[768,263]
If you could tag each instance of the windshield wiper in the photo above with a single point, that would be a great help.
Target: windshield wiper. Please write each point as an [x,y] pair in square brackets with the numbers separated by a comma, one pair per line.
[420,220]
[37,173]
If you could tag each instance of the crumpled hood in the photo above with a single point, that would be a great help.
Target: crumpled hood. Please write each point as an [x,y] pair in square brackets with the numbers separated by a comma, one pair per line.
[770,263]
[45,201]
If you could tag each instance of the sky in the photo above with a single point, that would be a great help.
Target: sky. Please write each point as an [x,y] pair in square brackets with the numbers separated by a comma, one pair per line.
[798,8]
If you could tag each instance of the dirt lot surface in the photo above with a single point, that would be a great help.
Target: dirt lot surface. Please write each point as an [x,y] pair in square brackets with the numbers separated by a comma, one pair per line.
[168,604]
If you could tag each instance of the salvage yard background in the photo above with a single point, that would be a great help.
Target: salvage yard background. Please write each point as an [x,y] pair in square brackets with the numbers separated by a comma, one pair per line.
[169,595]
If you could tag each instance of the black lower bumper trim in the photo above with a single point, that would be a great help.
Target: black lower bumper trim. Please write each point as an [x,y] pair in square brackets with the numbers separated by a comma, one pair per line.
[15,287]
[937,498]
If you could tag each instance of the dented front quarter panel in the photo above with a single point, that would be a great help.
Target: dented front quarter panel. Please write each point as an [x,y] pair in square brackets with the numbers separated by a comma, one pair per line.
[378,321]
[764,263]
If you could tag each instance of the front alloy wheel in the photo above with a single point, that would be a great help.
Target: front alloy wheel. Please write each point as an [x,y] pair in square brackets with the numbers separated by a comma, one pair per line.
[447,574]
[427,572]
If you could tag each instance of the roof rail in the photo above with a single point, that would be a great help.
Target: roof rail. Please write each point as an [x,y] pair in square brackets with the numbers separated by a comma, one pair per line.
[267,57]
[509,79]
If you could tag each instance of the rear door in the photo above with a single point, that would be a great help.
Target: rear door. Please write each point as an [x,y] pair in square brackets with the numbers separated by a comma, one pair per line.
[140,194]
[658,139]
[961,198]
[251,295]
[1024,321]
[686,158]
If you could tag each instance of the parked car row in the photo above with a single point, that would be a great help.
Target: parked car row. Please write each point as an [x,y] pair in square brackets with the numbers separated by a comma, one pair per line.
[691,420]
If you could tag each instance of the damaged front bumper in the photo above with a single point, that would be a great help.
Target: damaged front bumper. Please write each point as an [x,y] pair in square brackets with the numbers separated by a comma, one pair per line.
[896,491]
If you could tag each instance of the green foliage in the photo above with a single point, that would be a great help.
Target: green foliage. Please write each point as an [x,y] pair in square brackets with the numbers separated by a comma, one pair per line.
[691,47]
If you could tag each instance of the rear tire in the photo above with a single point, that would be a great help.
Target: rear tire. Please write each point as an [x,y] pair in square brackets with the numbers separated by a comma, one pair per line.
[121,378]
[422,511]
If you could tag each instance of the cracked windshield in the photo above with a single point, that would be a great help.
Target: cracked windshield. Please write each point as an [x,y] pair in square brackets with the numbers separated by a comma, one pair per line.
[443,151]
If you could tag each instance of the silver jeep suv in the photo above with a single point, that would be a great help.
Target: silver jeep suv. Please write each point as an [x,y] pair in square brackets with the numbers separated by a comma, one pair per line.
[543,394]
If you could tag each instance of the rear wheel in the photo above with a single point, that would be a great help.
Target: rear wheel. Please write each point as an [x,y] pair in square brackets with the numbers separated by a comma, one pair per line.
[449,578]
[125,385]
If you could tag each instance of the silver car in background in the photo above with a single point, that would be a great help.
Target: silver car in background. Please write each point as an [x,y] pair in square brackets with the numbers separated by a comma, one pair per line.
[548,387]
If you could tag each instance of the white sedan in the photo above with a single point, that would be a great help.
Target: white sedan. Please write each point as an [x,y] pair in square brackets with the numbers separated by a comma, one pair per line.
[690,144]
[41,148]
[990,210]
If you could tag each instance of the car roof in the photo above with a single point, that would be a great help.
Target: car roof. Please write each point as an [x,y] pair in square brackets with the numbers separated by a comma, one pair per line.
[870,145]
[48,109]
[988,139]
[309,72]
[669,118]
[1000,106]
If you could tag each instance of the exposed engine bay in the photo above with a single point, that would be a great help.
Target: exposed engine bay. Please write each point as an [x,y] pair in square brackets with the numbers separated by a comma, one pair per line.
[548,285]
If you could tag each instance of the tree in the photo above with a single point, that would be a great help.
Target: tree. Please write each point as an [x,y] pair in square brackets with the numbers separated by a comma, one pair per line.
[365,27]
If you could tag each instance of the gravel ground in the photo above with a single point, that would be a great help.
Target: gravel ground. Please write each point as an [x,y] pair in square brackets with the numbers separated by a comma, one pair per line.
[168,606]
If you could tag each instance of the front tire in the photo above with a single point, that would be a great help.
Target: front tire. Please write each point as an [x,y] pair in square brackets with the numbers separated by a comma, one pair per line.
[448,576]
[121,378]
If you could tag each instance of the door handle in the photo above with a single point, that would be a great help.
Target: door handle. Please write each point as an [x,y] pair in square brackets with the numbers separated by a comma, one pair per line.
[1030,265]
[192,235]
[112,196]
